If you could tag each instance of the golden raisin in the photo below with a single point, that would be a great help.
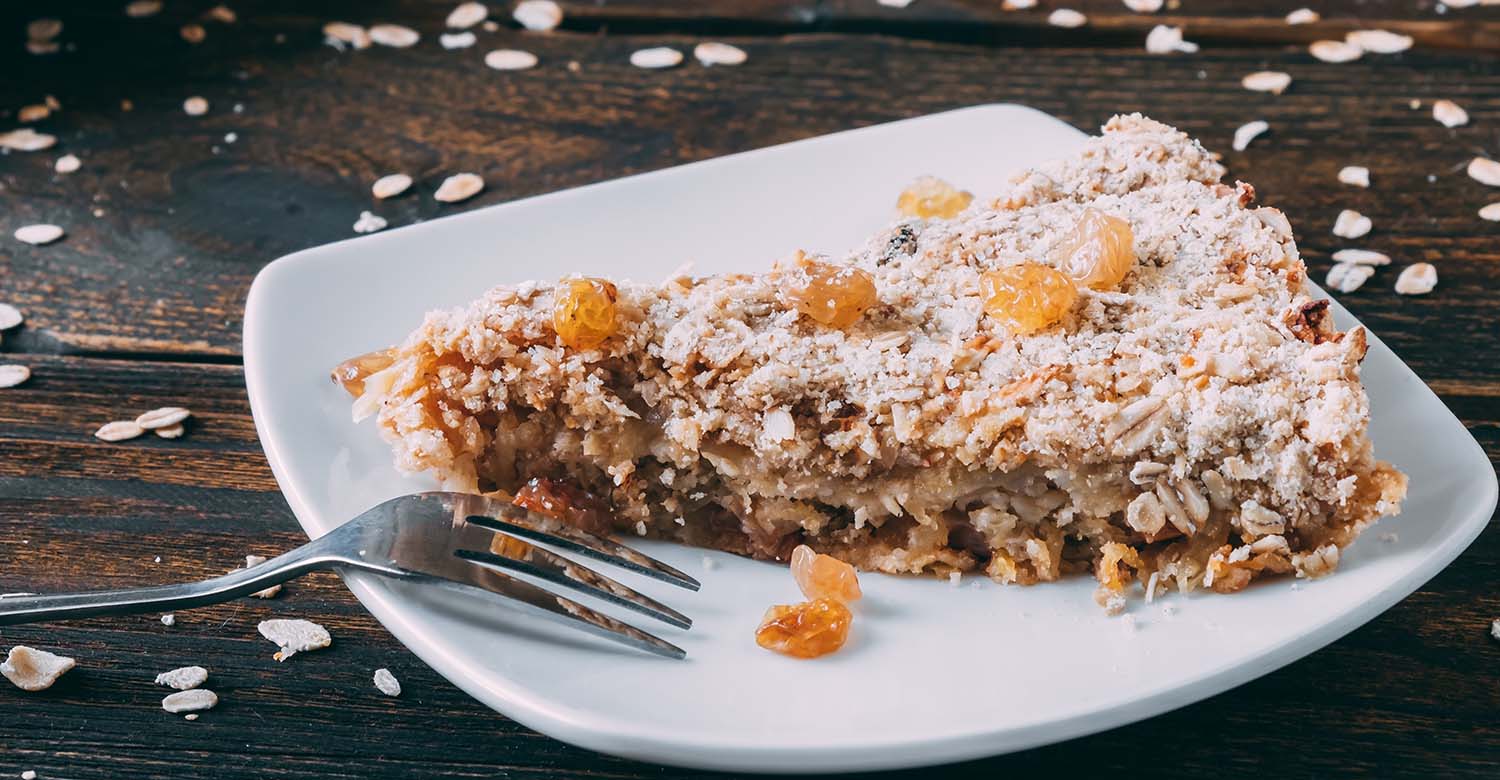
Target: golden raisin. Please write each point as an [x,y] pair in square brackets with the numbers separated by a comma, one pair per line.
[805,630]
[1027,297]
[572,505]
[584,312]
[835,296]
[1098,252]
[824,576]
[352,373]
[930,197]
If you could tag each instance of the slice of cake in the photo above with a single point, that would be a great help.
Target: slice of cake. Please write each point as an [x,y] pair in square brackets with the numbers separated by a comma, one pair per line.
[1114,367]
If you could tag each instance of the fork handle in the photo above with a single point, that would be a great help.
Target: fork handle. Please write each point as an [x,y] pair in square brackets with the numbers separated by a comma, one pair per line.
[29,608]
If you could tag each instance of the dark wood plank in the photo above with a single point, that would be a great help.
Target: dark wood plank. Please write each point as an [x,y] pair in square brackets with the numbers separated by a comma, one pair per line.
[1412,694]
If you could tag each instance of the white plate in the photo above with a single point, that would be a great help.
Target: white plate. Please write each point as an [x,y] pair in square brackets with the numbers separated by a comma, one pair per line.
[933,673]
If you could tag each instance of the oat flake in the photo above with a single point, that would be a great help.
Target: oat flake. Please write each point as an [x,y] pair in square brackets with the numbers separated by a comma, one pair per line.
[183,679]
[1491,212]
[67,164]
[1449,114]
[394,35]
[1144,6]
[1247,133]
[294,636]
[1066,17]
[12,375]
[1303,16]
[368,222]
[119,430]
[34,670]
[164,417]
[510,59]
[1335,51]
[894,3]
[43,29]
[1485,171]
[25,139]
[538,14]
[140,9]
[390,186]
[1348,277]
[1273,81]
[1416,279]
[1361,257]
[656,58]
[37,235]
[42,47]
[195,106]
[467,15]
[1017,5]
[1379,41]
[460,40]
[171,431]
[33,113]
[459,186]
[194,700]
[386,683]
[1167,40]
[340,33]
[1354,175]
[714,53]
[10,316]
[193,33]
[1351,224]
[221,13]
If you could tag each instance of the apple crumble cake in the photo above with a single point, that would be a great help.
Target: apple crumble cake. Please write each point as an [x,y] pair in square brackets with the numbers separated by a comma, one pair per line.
[1116,366]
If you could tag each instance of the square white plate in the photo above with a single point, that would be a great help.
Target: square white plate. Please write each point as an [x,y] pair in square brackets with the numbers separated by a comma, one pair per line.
[933,673]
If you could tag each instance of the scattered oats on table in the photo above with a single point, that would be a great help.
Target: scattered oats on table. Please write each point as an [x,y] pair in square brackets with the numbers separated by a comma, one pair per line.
[369,222]
[894,3]
[193,33]
[1361,257]
[222,14]
[44,29]
[164,417]
[1017,5]
[386,683]
[1248,132]
[1449,114]
[714,53]
[195,106]
[1485,171]
[1335,51]
[394,35]
[13,374]
[1378,41]
[34,670]
[1348,277]
[67,163]
[1495,628]
[1168,40]
[339,34]
[510,59]
[184,678]
[168,619]
[10,317]
[541,15]
[1490,212]
[1303,16]
[171,431]
[1351,224]
[33,113]
[1354,175]
[251,561]
[656,58]
[390,186]
[1144,6]
[1417,279]
[119,430]
[192,700]
[25,139]
[140,9]
[1067,17]
[466,15]
[294,636]
[459,186]
[38,235]
[1273,81]
[458,40]
[29,774]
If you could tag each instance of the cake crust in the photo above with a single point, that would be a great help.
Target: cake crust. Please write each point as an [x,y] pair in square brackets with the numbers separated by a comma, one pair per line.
[1199,425]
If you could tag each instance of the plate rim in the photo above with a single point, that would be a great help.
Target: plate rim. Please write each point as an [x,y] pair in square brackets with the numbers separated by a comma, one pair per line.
[564,724]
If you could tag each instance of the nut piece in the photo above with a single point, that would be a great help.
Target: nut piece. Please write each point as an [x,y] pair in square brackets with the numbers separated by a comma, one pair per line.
[656,58]
[1318,563]
[369,222]
[510,59]
[165,417]
[119,430]
[390,186]
[712,53]
[294,636]
[193,700]
[1354,175]
[1335,51]
[1379,41]
[386,683]
[1066,17]
[185,678]
[1485,171]
[1303,16]
[394,35]
[467,15]
[459,186]
[12,375]
[34,670]
[1361,257]
[37,235]
[1348,277]
[538,14]
[1166,40]
[1417,279]
[1273,81]
[1248,132]
[1449,114]
[1351,224]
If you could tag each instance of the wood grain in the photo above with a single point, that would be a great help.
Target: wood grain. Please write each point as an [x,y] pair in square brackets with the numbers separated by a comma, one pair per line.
[141,306]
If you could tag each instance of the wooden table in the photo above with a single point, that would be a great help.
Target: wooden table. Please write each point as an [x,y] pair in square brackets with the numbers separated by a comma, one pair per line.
[171,216]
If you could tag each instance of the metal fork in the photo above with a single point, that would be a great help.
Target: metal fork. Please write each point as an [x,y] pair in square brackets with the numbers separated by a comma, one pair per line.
[450,540]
